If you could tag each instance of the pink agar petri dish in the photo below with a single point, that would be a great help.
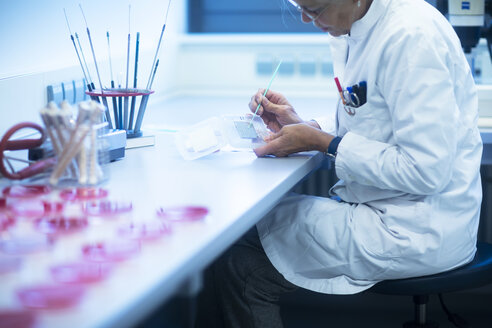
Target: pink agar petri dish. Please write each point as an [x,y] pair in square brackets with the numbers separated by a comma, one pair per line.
[107,208]
[27,191]
[35,208]
[9,264]
[26,244]
[17,319]
[80,272]
[50,296]
[83,194]
[183,213]
[6,221]
[111,251]
[30,208]
[53,206]
[61,225]
[144,231]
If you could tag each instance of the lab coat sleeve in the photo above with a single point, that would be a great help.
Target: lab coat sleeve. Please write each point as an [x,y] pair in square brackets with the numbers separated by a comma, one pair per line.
[416,81]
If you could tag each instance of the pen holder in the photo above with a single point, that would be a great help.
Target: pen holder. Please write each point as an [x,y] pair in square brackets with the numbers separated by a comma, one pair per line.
[129,105]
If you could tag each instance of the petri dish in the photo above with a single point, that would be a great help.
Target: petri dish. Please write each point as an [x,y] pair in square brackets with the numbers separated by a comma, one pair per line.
[26,243]
[61,225]
[111,251]
[50,296]
[10,318]
[52,206]
[107,208]
[80,272]
[31,208]
[9,264]
[34,208]
[182,213]
[6,221]
[144,231]
[82,194]
[26,191]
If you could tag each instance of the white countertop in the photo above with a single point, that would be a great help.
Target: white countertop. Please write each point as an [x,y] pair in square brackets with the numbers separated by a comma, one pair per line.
[237,187]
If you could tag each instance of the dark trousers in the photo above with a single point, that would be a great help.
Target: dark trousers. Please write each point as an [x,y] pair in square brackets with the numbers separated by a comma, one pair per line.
[242,288]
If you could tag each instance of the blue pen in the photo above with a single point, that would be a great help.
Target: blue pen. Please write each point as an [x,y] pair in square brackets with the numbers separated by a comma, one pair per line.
[362,92]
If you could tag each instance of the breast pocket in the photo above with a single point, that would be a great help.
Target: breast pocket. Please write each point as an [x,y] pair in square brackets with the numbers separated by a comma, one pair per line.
[367,120]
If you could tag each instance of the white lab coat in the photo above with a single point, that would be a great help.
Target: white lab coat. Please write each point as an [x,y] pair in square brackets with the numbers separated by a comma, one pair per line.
[408,162]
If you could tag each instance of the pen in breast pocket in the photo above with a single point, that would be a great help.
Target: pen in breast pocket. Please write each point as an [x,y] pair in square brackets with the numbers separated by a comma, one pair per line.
[353,98]
[362,92]
[340,90]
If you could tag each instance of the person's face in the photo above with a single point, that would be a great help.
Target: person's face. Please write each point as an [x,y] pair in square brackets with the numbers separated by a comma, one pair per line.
[334,18]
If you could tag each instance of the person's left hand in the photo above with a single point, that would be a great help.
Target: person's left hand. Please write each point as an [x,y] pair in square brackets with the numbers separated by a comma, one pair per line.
[294,138]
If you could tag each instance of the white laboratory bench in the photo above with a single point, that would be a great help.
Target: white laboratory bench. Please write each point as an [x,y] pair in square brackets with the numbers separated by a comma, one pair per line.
[237,187]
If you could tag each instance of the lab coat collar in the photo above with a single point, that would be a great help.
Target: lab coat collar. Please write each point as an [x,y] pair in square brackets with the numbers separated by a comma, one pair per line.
[361,27]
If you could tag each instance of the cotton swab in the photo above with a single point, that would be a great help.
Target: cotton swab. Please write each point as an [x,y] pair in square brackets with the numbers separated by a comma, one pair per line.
[266,90]
[88,113]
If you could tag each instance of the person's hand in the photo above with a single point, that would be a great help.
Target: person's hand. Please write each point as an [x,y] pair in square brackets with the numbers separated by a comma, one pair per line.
[294,138]
[275,110]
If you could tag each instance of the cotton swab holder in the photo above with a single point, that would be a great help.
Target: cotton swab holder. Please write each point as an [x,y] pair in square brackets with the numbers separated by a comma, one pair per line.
[82,150]
[139,99]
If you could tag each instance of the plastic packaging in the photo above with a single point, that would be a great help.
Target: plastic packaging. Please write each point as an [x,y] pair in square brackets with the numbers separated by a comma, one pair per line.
[214,133]
[243,133]
[201,139]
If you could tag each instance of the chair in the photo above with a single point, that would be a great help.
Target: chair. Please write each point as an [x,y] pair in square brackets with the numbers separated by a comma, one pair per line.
[473,275]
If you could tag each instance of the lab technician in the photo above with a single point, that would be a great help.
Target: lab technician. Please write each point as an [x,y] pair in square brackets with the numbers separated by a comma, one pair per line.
[407,158]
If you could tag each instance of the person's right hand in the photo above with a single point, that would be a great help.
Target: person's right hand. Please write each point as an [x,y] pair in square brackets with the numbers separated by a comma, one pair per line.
[275,110]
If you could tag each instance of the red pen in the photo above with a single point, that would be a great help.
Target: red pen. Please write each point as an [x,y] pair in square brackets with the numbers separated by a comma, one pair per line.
[340,90]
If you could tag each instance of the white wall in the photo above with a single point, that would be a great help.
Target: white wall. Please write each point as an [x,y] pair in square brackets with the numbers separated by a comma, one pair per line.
[37,51]
[35,37]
